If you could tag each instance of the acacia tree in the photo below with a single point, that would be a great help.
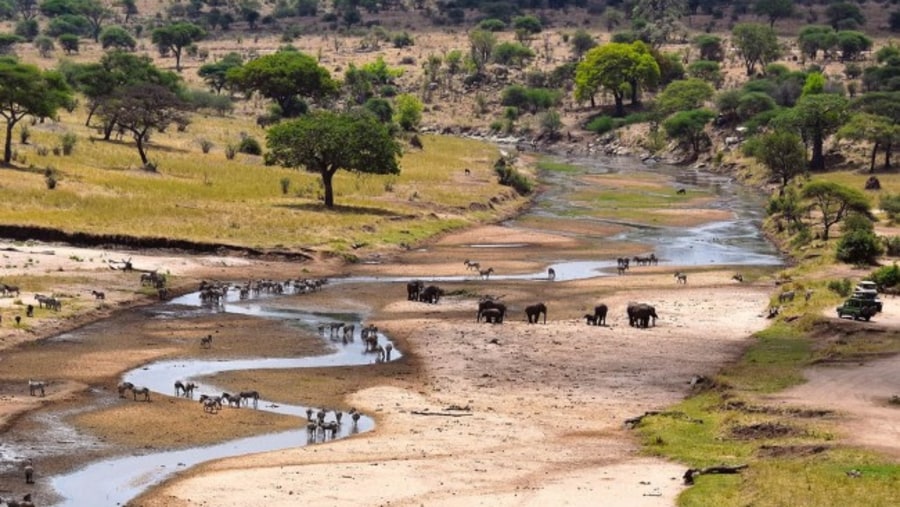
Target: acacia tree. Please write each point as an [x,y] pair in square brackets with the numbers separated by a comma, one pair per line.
[26,90]
[285,77]
[324,142]
[683,95]
[876,129]
[619,68]
[886,108]
[176,37]
[816,117]
[783,155]
[215,74]
[774,9]
[834,201]
[96,13]
[688,127]
[481,46]
[143,107]
[755,43]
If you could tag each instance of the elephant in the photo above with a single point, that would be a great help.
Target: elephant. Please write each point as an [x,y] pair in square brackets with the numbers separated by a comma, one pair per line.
[639,314]
[493,316]
[431,294]
[533,312]
[600,314]
[483,306]
[414,289]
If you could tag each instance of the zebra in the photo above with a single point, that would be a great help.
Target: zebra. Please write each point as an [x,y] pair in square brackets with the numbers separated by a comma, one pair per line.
[681,277]
[124,386]
[143,391]
[246,396]
[206,342]
[35,386]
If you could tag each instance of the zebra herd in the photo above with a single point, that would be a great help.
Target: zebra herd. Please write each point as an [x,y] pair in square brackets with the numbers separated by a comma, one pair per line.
[319,428]
[340,331]
[215,292]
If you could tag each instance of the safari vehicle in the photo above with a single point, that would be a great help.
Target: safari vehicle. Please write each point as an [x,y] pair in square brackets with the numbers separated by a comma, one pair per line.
[857,308]
[868,291]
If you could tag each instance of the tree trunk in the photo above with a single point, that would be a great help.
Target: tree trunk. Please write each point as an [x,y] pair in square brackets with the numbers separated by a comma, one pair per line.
[817,162]
[887,155]
[177,52]
[327,176]
[620,106]
[634,92]
[7,148]
[139,141]
[108,128]
[872,161]
[91,109]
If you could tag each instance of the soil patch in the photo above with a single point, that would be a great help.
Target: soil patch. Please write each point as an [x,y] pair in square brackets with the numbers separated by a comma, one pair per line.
[790,451]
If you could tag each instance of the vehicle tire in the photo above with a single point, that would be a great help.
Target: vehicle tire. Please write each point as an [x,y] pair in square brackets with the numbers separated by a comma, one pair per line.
[868,317]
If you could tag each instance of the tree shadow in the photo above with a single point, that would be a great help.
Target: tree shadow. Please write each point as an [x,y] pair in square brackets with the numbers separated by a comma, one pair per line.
[345,210]
[148,147]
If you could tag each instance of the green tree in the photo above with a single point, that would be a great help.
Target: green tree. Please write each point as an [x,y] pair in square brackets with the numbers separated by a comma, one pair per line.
[528,24]
[756,44]
[815,84]
[683,95]
[886,106]
[512,53]
[879,130]
[688,127]
[834,201]
[774,10]
[408,112]
[117,37]
[784,156]
[710,47]
[617,67]
[852,43]
[324,142]
[176,37]
[7,41]
[706,70]
[129,8]
[44,45]
[481,44]
[285,77]
[96,13]
[661,18]
[858,244]
[816,117]
[815,38]
[69,42]
[25,90]
[215,74]
[140,109]
[582,42]
[844,15]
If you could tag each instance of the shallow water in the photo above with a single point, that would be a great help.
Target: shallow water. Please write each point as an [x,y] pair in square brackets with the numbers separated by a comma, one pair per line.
[732,242]
[124,478]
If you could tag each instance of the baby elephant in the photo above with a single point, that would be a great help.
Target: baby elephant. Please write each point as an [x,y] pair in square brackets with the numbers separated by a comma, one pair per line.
[534,312]
[599,316]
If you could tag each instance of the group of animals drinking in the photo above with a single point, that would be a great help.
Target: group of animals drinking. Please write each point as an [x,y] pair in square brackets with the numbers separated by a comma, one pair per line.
[210,403]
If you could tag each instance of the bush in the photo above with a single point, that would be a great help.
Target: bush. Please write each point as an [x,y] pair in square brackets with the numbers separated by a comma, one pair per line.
[890,203]
[205,145]
[840,287]
[402,40]
[250,146]
[24,134]
[230,151]
[285,185]
[510,177]
[600,124]
[886,276]
[891,245]
[859,247]
[67,141]
[492,25]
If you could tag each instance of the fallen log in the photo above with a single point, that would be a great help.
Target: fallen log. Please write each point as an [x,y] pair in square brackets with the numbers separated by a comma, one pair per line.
[721,469]
[444,414]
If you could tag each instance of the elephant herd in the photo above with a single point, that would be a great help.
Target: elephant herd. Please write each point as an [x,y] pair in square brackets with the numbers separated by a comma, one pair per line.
[492,311]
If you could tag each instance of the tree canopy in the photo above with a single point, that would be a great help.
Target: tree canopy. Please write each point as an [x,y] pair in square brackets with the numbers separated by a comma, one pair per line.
[816,117]
[285,77]
[756,44]
[834,201]
[324,142]
[26,90]
[176,37]
[783,155]
[619,68]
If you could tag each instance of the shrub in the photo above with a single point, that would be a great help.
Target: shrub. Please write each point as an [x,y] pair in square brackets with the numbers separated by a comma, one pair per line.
[510,177]
[285,185]
[886,276]
[50,178]
[492,25]
[892,245]
[230,151]
[402,40]
[250,146]
[24,134]
[890,203]
[205,145]
[67,141]
[840,287]
[600,124]
[859,247]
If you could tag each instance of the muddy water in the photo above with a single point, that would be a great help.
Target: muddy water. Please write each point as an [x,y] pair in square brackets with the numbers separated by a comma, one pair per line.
[732,242]
[126,477]
[736,241]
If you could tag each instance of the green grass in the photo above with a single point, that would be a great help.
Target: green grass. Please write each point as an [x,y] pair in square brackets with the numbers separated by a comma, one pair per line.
[560,167]
[208,198]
